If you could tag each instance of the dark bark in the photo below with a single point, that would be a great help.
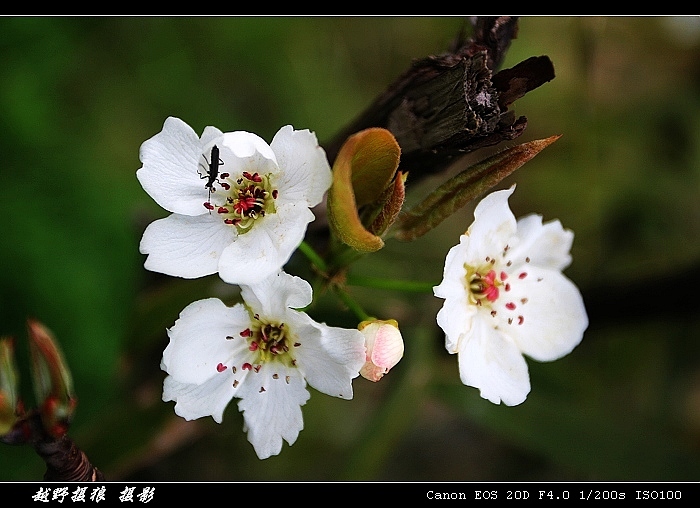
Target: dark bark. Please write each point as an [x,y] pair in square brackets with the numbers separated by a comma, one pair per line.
[65,462]
[449,105]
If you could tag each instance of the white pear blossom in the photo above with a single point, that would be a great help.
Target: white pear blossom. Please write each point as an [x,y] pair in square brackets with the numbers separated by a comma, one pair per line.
[240,207]
[505,297]
[263,352]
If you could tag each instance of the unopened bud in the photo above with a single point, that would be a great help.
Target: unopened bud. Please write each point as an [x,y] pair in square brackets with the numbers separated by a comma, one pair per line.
[384,346]
[53,382]
[8,386]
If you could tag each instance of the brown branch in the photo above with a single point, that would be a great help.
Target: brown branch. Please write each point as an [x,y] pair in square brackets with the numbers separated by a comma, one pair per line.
[64,460]
[446,106]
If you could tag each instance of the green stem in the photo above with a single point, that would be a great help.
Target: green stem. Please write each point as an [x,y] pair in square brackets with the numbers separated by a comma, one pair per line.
[352,304]
[407,286]
[319,263]
[313,256]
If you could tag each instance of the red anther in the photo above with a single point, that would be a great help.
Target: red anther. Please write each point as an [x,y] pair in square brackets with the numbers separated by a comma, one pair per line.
[246,333]
[522,275]
[275,193]
[255,177]
[221,367]
[253,346]
[225,185]
[510,306]
[504,275]
[521,320]
[224,175]
[246,366]
[222,210]
[208,205]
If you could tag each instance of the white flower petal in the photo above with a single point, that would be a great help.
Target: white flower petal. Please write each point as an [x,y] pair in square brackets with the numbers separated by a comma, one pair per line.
[198,341]
[494,224]
[457,312]
[246,144]
[271,407]
[329,357]
[274,296]
[194,401]
[455,318]
[263,251]
[245,152]
[493,364]
[553,315]
[546,245]
[453,275]
[209,136]
[306,172]
[170,173]
[184,246]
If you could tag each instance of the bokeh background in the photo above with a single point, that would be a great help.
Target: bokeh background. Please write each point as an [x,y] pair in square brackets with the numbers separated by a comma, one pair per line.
[79,95]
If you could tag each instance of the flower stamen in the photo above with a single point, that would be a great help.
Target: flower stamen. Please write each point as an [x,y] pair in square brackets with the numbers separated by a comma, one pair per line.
[483,286]
[250,197]
[270,342]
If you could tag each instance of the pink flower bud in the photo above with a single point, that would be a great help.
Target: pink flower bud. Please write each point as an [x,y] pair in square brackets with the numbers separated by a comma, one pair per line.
[384,347]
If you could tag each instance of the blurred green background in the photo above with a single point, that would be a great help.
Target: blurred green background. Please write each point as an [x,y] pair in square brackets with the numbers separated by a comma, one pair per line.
[79,95]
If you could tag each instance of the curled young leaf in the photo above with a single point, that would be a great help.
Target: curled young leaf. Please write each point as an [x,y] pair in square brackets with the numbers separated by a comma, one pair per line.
[391,203]
[464,187]
[363,170]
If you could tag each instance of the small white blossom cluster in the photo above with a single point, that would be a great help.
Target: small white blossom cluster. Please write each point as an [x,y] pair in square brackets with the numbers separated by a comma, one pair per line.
[240,207]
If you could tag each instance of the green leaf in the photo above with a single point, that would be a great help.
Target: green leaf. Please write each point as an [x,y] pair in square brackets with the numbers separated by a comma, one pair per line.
[462,188]
[362,171]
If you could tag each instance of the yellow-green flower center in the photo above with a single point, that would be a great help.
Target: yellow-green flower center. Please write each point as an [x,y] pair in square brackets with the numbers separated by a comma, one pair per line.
[247,199]
[271,342]
[483,283]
